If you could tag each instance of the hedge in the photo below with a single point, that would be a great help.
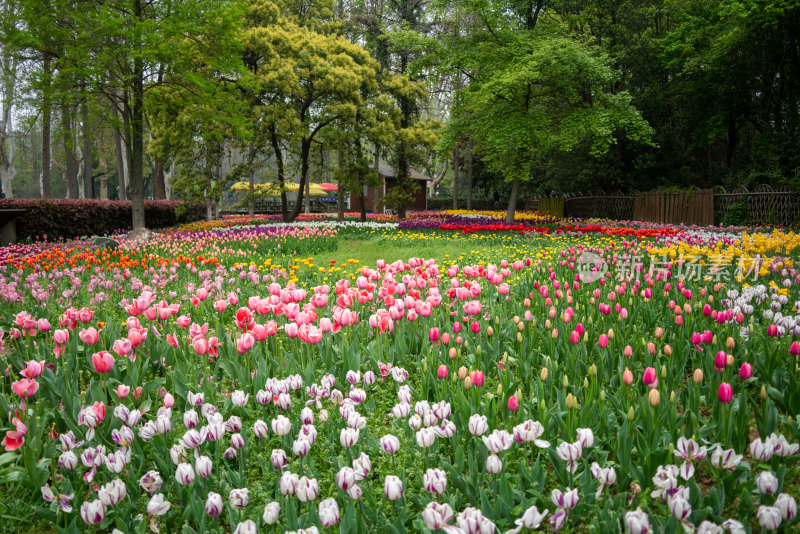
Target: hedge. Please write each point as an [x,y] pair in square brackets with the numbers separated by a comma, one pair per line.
[65,218]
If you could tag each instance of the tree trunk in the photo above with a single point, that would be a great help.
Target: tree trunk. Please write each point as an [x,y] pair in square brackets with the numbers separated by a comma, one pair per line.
[376,166]
[88,183]
[307,202]
[276,148]
[46,105]
[456,165]
[137,134]
[512,201]
[305,149]
[251,204]
[361,197]
[168,180]
[469,177]
[69,156]
[8,145]
[122,183]
[341,192]
[158,175]
[102,164]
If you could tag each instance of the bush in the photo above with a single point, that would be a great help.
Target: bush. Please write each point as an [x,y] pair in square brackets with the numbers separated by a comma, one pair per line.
[65,218]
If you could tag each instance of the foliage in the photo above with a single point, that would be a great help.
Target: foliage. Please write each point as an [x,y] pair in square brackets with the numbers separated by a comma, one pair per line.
[65,218]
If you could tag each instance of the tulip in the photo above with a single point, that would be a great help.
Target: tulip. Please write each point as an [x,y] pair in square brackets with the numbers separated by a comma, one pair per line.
[442,371]
[787,505]
[246,527]
[184,474]
[157,506]
[271,513]
[434,481]
[654,397]
[767,483]
[239,498]
[725,393]
[328,512]
[214,504]
[25,388]
[306,489]
[32,369]
[637,522]
[493,464]
[513,403]
[698,376]
[437,515]
[93,512]
[390,444]
[627,377]
[769,517]
[102,361]
[745,371]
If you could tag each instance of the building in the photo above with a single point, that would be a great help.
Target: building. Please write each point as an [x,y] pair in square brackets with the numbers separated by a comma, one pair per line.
[373,195]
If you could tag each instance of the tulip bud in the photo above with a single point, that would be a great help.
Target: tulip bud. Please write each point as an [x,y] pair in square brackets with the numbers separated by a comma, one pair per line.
[462,372]
[610,333]
[698,376]
[542,405]
[667,350]
[566,381]
[570,401]
[467,383]
[730,343]
[490,331]
[631,413]
[672,396]
[519,337]
[554,334]
[521,326]
[593,370]
[478,350]
[603,395]
[654,397]
[543,374]
[663,371]
[499,389]
[763,392]
[585,382]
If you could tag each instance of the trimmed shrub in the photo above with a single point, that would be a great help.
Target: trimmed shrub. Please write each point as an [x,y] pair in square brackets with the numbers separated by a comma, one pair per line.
[65,218]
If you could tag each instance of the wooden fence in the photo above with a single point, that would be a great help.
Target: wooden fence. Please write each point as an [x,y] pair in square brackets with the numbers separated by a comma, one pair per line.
[702,207]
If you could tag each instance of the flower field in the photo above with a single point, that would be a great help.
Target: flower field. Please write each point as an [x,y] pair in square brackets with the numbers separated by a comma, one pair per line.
[445,373]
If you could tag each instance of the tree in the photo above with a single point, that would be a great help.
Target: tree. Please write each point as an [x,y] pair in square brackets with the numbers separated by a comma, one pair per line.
[303,77]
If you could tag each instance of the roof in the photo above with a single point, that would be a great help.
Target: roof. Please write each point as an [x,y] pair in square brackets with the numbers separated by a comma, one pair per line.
[389,172]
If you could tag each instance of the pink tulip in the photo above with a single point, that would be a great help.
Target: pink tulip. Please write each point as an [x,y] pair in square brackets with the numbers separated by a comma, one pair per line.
[627,377]
[169,400]
[725,392]
[32,369]
[442,371]
[513,403]
[649,376]
[25,388]
[720,361]
[794,349]
[745,371]
[123,391]
[200,345]
[477,378]
[433,334]
[603,341]
[102,361]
